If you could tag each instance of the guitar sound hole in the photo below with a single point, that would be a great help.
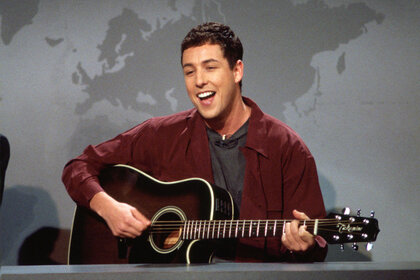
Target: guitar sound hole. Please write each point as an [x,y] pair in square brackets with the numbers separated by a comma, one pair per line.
[166,231]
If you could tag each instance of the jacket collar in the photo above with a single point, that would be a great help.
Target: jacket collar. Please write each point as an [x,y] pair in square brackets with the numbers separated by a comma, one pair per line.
[257,129]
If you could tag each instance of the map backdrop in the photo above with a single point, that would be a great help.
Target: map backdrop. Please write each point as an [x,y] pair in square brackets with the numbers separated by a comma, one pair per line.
[343,74]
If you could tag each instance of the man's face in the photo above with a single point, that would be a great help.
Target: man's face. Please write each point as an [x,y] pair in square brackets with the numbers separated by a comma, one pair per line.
[212,85]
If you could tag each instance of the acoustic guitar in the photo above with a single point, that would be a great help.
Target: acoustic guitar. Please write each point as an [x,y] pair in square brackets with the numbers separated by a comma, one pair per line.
[190,218]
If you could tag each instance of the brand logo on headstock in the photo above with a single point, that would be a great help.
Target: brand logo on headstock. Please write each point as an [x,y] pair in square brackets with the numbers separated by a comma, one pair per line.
[348,228]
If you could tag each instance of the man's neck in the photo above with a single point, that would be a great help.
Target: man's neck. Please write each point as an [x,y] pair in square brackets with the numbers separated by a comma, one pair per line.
[226,127]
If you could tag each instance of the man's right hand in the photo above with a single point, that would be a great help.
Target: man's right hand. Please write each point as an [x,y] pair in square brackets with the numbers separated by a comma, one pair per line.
[123,219]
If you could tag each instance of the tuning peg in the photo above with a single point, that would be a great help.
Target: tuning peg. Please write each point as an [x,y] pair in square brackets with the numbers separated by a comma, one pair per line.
[346,211]
[358,212]
[341,247]
[372,214]
[355,247]
[369,246]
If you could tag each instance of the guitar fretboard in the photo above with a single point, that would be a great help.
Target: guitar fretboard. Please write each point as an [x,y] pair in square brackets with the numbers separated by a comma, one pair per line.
[220,229]
[217,229]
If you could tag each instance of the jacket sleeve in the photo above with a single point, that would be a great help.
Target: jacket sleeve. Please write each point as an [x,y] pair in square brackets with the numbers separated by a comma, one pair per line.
[80,175]
[302,192]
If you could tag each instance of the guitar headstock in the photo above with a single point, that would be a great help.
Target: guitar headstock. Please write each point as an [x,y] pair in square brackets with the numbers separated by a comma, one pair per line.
[343,228]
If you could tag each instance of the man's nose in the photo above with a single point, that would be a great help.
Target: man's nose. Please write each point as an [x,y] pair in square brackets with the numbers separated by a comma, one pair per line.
[201,79]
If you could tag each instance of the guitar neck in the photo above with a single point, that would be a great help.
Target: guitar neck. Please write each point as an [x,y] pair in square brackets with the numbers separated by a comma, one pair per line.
[334,229]
[220,229]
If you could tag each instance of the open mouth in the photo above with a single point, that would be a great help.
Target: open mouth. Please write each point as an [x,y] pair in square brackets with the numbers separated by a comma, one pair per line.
[206,95]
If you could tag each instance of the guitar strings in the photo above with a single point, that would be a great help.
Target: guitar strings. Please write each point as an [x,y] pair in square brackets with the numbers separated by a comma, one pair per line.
[251,222]
[247,223]
[247,227]
[256,221]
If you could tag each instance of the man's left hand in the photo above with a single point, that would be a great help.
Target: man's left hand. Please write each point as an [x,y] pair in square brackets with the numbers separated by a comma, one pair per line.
[295,238]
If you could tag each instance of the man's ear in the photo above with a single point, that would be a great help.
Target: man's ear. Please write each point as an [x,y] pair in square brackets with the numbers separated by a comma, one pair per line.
[238,71]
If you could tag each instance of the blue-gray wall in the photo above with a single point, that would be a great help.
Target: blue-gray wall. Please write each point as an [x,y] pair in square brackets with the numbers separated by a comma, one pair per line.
[343,74]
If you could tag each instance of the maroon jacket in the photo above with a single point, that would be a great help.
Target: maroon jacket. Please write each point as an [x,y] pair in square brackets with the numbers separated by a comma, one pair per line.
[280,172]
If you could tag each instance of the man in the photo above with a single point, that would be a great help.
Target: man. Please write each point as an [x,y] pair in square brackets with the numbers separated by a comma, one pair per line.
[226,139]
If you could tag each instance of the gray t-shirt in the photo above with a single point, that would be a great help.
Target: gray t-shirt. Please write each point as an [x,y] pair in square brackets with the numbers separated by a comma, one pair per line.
[228,162]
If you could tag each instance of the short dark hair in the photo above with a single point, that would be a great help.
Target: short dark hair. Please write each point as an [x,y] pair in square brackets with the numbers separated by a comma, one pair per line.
[215,33]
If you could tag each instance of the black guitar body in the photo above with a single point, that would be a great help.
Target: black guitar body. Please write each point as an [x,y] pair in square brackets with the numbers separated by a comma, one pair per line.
[192,199]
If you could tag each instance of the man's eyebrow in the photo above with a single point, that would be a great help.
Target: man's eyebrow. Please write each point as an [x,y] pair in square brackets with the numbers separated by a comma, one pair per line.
[210,60]
[187,65]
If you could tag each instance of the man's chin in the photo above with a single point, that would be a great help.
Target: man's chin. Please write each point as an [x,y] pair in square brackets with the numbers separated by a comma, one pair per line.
[208,116]
[212,120]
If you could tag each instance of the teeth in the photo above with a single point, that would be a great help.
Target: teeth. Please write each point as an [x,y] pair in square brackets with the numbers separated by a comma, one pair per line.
[205,94]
